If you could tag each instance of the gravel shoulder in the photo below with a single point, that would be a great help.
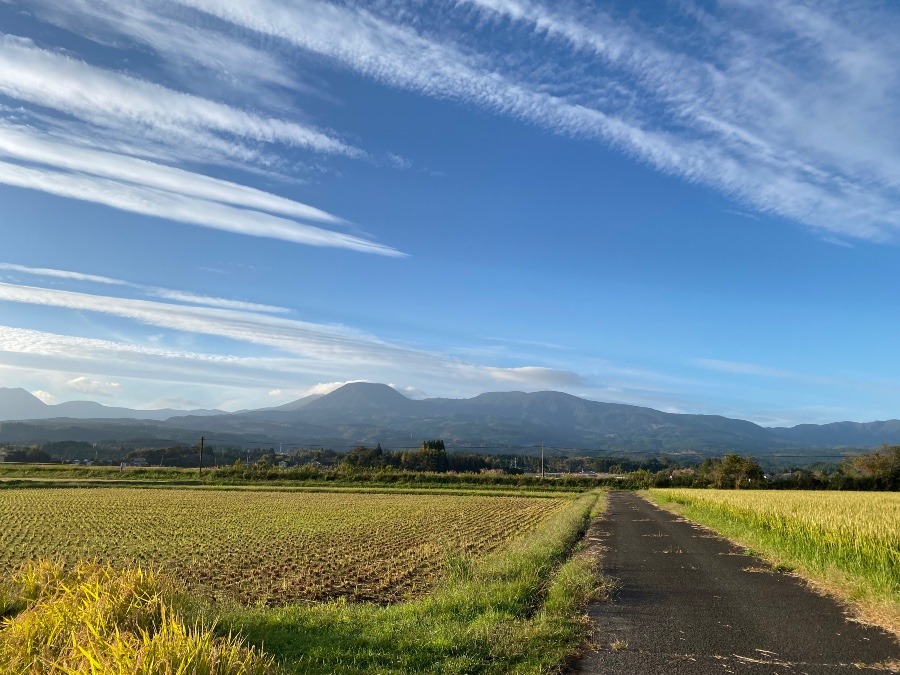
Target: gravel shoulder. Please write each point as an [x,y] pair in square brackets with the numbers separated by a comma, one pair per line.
[687,601]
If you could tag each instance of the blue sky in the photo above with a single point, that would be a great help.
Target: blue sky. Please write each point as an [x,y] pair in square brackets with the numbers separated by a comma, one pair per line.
[693,206]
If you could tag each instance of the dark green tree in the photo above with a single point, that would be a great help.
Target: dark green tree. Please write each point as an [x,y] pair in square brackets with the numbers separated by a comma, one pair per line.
[432,456]
[362,457]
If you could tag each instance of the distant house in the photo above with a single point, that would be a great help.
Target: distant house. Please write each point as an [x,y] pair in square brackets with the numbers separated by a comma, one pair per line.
[139,461]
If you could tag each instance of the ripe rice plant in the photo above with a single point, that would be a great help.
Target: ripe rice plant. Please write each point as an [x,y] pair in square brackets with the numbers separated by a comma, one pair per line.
[847,541]
[91,619]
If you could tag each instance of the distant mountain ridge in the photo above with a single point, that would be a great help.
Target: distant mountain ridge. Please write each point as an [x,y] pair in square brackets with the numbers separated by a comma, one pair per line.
[370,413]
[18,404]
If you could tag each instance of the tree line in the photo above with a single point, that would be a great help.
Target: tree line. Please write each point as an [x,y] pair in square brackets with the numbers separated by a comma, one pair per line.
[875,470]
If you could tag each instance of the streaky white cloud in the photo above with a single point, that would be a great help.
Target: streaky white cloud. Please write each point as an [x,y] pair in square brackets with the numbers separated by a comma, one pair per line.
[739,116]
[174,147]
[180,296]
[302,346]
[399,56]
[25,144]
[757,370]
[795,139]
[119,355]
[176,402]
[210,301]
[298,337]
[62,274]
[181,208]
[101,97]
[176,41]
[30,354]
[86,385]
[537,376]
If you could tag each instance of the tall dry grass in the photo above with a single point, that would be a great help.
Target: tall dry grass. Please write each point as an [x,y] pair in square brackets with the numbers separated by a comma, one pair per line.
[91,619]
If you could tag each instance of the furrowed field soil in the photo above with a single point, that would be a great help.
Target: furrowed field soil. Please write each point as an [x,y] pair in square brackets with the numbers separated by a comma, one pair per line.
[267,547]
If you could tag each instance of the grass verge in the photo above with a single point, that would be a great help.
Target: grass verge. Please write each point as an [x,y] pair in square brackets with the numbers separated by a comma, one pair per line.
[837,555]
[517,611]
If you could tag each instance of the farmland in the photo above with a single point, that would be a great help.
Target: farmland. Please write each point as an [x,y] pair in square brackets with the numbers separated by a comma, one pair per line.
[429,583]
[846,542]
[267,547]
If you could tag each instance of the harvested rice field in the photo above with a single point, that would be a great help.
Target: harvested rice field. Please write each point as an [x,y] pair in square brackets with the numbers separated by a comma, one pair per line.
[267,547]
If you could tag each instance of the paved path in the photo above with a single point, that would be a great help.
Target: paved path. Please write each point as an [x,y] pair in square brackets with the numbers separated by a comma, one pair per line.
[691,603]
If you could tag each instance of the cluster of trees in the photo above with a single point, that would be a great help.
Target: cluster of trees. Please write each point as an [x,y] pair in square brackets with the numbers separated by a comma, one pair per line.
[33,455]
[186,456]
[431,456]
[877,470]
[729,472]
[880,470]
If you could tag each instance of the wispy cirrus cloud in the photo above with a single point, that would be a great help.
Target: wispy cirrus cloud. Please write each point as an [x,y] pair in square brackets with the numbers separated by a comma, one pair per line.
[181,208]
[316,341]
[537,376]
[55,155]
[180,42]
[801,128]
[26,144]
[107,98]
[714,99]
[87,385]
[62,274]
[757,370]
[296,349]
[167,293]
[140,186]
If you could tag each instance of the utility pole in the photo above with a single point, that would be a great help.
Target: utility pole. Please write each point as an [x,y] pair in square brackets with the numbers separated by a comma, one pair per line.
[542,460]
[201,455]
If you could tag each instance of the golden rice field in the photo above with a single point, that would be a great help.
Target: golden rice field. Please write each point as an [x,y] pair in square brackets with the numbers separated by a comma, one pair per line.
[271,547]
[849,541]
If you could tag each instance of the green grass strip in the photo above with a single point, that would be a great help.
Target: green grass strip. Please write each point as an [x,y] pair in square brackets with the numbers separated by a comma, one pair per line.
[517,611]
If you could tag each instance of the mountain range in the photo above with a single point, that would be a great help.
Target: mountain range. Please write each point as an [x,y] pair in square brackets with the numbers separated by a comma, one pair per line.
[367,413]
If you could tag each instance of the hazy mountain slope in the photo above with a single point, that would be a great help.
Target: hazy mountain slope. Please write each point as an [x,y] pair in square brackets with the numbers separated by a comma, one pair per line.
[850,434]
[18,404]
[376,413]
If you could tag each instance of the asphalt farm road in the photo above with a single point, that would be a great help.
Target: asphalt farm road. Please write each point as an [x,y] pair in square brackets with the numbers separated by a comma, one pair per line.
[688,602]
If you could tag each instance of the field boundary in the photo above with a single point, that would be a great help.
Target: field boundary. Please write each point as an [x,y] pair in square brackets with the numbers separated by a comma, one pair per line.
[330,487]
